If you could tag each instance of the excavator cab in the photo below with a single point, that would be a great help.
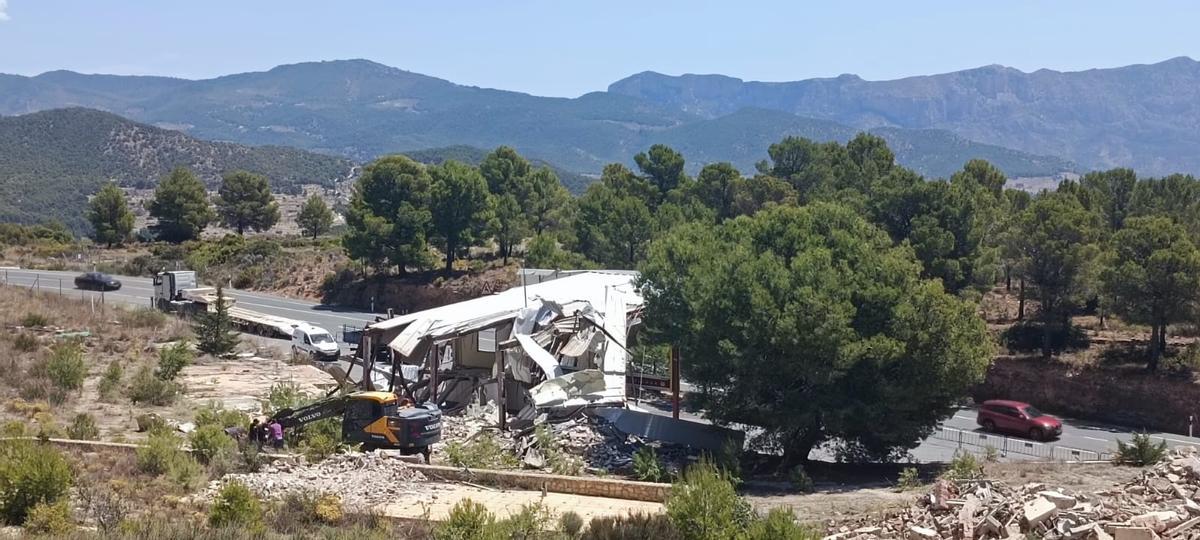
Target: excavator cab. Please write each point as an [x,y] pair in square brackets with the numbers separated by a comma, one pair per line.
[374,419]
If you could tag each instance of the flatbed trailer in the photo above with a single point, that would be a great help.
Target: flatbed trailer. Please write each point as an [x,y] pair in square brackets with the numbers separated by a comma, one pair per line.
[176,292]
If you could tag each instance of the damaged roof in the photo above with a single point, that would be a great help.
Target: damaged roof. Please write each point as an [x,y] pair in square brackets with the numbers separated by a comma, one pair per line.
[590,288]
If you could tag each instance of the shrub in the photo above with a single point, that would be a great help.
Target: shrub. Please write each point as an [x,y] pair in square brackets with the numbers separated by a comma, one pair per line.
[25,342]
[47,426]
[251,458]
[329,510]
[210,442]
[35,320]
[235,506]
[964,466]
[161,451]
[1141,451]
[284,395]
[30,474]
[319,446]
[529,523]
[570,524]
[83,428]
[13,428]
[909,479]
[1028,336]
[467,520]
[145,387]
[66,367]
[35,388]
[779,524]
[103,505]
[110,381]
[300,510]
[186,472]
[628,527]
[214,414]
[703,504]
[481,452]
[729,460]
[172,359]
[49,518]
[646,466]
[142,318]
[800,479]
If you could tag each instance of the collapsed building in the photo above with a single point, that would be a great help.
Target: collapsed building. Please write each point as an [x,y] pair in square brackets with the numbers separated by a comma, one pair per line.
[540,351]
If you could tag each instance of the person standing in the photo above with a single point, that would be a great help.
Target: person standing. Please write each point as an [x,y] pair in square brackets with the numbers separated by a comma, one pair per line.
[255,432]
[276,430]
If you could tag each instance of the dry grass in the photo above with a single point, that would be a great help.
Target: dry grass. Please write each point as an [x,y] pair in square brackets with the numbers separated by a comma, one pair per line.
[114,333]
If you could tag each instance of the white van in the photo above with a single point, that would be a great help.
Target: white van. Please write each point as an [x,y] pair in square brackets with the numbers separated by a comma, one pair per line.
[315,342]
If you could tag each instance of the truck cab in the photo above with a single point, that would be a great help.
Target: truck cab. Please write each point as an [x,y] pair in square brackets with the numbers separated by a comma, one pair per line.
[314,341]
[169,288]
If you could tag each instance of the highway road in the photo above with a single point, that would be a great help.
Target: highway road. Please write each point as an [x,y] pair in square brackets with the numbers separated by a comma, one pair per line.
[137,291]
[1077,434]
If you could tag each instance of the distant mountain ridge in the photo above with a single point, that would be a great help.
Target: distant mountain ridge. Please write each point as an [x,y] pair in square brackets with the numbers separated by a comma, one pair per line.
[361,109]
[52,161]
[1140,116]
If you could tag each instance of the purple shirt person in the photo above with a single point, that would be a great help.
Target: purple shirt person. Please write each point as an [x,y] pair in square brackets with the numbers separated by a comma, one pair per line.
[276,434]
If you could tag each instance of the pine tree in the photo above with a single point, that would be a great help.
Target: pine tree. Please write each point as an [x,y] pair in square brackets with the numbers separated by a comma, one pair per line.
[110,216]
[315,217]
[214,329]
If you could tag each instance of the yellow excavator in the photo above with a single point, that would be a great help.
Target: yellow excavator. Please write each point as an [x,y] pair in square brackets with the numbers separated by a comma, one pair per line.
[375,419]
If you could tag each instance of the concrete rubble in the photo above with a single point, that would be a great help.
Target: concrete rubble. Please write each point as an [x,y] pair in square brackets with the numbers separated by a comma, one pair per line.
[1161,504]
[602,446]
[596,441]
[361,480]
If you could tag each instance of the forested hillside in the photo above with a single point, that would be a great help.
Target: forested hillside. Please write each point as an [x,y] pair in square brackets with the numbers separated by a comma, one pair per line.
[50,162]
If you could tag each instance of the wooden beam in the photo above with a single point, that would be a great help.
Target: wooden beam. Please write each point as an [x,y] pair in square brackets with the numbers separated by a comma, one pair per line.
[675,382]
[500,397]
[434,363]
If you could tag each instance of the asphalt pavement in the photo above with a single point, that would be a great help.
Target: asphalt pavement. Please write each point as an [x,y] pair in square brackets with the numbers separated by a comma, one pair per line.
[137,291]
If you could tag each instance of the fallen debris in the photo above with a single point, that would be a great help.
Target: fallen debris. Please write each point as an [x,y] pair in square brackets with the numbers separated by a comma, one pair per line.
[1159,504]
[361,480]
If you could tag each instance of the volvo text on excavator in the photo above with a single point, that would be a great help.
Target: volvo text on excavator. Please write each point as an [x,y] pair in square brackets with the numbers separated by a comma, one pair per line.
[375,419]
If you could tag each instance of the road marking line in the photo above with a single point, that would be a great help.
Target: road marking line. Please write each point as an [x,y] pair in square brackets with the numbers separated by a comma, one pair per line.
[1094,438]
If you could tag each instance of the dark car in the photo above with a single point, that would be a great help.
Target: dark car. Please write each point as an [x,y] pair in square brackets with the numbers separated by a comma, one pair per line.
[96,281]
[999,415]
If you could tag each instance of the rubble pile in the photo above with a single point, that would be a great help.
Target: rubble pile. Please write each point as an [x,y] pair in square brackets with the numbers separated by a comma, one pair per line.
[1160,504]
[357,478]
[602,446]
[593,439]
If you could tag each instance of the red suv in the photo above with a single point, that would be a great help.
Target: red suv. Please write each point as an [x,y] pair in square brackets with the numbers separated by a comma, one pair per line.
[1016,417]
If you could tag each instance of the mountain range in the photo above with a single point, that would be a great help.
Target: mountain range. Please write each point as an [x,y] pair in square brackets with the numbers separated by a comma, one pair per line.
[52,161]
[361,109]
[1139,116]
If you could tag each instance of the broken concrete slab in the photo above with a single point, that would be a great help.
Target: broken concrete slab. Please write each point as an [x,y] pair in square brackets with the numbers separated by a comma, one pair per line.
[1063,502]
[921,533]
[1133,533]
[1037,511]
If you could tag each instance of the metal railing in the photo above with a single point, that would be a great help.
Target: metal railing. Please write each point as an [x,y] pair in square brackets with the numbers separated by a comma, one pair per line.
[977,442]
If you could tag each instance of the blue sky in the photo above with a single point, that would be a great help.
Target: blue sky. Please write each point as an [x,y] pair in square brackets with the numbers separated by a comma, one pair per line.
[570,47]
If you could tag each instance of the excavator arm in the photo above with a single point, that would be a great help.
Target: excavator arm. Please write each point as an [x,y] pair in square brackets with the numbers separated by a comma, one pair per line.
[319,410]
